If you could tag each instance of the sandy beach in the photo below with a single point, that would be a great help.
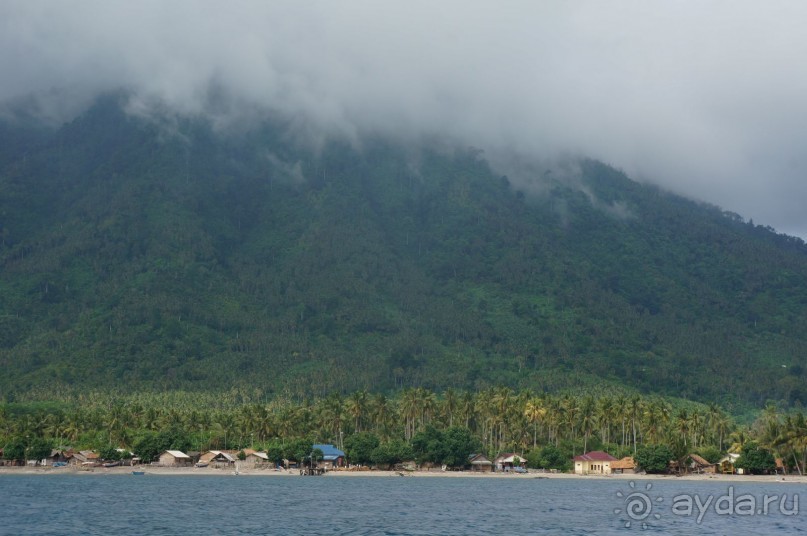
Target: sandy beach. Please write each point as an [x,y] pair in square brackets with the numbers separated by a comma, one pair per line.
[249,472]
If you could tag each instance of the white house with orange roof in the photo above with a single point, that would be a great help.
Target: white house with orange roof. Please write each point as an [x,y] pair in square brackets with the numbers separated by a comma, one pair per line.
[595,462]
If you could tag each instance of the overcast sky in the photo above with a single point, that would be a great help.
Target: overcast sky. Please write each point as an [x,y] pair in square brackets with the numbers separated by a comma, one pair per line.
[706,98]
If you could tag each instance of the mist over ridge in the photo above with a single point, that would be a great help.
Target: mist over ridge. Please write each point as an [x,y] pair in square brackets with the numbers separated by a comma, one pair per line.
[703,100]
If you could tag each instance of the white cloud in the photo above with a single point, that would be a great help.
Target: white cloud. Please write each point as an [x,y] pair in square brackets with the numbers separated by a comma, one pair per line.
[706,97]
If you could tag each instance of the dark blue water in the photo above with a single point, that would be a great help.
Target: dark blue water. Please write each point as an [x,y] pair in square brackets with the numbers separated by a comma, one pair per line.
[107,505]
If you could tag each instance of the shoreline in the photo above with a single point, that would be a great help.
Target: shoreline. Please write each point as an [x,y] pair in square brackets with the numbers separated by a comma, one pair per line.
[272,473]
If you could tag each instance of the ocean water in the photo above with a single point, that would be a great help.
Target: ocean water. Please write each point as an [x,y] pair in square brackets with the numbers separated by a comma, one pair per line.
[92,504]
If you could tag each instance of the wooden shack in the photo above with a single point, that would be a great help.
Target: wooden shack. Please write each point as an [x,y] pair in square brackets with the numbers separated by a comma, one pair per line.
[175,458]
[480,463]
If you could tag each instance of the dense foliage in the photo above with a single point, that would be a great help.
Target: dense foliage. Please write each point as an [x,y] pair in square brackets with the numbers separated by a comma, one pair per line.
[755,460]
[550,457]
[416,424]
[654,459]
[360,447]
[451,447]
[151,254]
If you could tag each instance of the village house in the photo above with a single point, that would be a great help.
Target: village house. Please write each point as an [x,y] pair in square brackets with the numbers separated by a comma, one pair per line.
[699,465]
[218,458]
[507,461]
[86,458]
[256,459]
[480,463]
[595,462]
[625,466]
[194,455]
[175,458]
[58,456]
[332,456]
[726,463]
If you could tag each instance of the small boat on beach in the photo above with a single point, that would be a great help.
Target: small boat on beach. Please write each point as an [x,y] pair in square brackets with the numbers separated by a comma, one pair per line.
[138,473]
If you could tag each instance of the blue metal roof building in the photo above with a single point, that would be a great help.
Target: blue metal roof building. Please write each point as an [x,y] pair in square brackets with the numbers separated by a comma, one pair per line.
[330,453]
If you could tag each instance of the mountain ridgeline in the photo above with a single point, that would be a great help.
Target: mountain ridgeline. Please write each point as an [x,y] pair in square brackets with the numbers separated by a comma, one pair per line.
[138,255]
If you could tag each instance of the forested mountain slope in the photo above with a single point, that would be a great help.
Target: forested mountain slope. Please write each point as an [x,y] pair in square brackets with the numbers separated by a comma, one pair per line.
[141,254]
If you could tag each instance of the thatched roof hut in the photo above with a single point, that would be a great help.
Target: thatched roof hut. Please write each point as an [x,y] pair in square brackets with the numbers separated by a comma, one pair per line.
[626,466]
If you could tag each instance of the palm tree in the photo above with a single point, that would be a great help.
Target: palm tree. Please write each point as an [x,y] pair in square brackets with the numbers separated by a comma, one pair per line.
[795,437]
[218,434]
[697,426]
[409,403]
[199,422]
[265,423]
[303,417]
[450,404]
[587,420]
[768,427]
[356,407]
[621,407]
[682,425]
[5,422]
[71,427]
[486,412]
[571,409]
[604,417]
[502,400]
[151,419]
[535,412]
[330,416]
[738,439]
[554,418]
[382,415]
[428,405]
[285,420]
[635,412]
[115,423]
[466,409]
[713,416]
[656,419]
